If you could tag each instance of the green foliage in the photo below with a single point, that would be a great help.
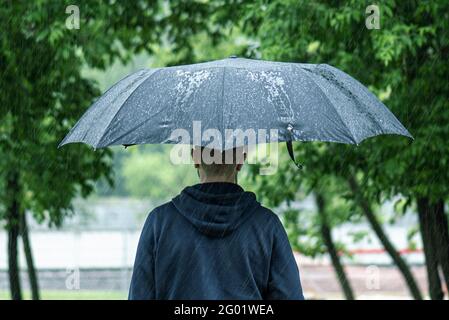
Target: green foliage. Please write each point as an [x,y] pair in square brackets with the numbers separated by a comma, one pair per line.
[403,62]
[406,57]
[45,89]
[150,174]
[47,84]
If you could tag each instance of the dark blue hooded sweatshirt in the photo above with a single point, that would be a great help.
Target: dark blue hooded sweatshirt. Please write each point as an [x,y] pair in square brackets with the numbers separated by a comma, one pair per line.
[214,241]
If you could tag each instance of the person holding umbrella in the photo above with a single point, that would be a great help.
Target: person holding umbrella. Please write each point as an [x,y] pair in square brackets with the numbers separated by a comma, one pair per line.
[214,240]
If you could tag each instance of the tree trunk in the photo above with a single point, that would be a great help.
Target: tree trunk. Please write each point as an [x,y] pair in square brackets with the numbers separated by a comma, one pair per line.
[442,242]
[13,226]
[327,238]
[383,238]
[29,258]
[429,230]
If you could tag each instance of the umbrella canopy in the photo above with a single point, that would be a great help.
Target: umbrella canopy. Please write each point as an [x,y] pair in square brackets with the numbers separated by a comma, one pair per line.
[303,102]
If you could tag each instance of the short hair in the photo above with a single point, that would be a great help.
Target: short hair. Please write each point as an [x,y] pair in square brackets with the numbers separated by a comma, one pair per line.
[220,163]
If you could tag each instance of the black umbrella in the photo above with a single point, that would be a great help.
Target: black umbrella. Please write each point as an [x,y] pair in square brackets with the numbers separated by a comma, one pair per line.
[303,102]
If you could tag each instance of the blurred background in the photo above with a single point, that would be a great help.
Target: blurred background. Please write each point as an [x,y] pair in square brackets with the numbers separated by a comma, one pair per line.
[365,222]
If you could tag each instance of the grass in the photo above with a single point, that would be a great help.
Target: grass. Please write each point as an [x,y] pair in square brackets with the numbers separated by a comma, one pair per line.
[72,295]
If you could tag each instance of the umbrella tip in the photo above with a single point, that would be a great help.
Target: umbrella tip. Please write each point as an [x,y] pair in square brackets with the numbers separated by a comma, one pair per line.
[233,56]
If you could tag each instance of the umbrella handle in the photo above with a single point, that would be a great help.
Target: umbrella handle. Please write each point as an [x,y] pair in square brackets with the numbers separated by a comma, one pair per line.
[290,146]
[292,154]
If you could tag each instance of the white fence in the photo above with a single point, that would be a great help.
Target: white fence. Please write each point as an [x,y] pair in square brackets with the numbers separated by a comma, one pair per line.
[73,249]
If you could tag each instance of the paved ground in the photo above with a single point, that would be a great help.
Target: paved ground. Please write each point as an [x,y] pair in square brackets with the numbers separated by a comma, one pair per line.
[368,282]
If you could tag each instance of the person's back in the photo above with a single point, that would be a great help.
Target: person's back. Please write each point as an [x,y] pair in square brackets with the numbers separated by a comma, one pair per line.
[214,241]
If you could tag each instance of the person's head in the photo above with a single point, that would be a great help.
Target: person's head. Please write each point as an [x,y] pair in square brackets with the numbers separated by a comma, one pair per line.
[218,166]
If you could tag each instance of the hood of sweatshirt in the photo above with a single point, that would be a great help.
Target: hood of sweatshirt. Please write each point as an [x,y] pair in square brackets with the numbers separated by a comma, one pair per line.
[216,209]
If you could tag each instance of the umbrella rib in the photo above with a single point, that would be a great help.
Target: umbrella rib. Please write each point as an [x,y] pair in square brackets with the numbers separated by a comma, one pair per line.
[119,109]
[222,100]
[132,129]
[87,113]
[327,98]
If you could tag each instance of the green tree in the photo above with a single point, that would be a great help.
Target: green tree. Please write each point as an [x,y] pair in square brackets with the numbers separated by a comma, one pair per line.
[44,92]
[401,62]
[326,234]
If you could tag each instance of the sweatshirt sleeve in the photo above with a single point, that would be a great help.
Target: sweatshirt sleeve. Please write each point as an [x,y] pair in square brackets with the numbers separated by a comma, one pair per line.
[142,282]
[283,282]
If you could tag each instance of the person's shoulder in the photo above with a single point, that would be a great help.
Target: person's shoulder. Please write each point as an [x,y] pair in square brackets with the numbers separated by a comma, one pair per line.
[267,215]
[271,222]
[160,213]
[167,206]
